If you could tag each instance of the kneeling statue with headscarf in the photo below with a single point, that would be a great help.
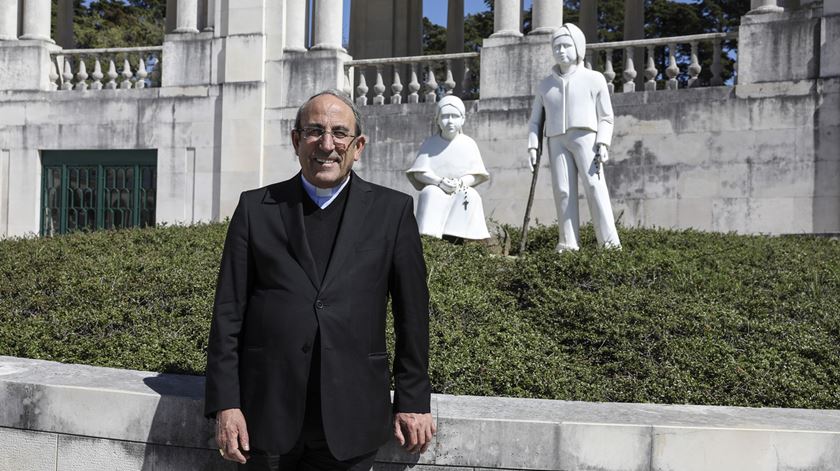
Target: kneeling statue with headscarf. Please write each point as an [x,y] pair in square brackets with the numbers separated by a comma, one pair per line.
[445,171]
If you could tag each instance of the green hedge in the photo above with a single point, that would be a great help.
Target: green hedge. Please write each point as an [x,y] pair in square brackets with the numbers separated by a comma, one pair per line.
[675,317]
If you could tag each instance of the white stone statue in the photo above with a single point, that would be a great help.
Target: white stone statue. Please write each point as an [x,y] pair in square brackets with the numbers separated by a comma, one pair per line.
[575,104]
[447,167]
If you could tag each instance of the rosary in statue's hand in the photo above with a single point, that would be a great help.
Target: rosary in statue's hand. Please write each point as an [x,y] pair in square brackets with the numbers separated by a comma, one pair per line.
[448,185]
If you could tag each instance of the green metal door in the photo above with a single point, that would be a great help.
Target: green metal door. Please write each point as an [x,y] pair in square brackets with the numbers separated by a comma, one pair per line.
[97,189]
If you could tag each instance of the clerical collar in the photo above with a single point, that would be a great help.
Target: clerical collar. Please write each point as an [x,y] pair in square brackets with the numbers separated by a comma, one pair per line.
[323,196]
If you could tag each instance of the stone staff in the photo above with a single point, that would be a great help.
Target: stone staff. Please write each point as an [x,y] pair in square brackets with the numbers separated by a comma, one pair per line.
[535,169]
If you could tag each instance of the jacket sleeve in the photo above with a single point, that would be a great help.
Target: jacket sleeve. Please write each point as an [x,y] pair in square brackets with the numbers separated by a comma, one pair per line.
[232,290]
[604,112]
[537,112]
[410,304]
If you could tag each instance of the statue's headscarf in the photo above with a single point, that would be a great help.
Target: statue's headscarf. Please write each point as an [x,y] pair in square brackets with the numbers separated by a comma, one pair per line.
[448,100]
[578,38]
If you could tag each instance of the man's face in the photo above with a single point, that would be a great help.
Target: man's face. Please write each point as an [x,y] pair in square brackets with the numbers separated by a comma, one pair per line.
[564,50]
[325,161]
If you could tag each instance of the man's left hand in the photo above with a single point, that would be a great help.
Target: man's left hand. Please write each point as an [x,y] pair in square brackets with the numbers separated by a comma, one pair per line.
[414,431]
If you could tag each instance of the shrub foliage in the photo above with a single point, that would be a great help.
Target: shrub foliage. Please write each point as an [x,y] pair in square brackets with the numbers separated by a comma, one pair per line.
[674,317]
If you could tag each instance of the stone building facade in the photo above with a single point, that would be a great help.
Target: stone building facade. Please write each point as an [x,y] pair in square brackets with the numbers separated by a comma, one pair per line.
[173,133]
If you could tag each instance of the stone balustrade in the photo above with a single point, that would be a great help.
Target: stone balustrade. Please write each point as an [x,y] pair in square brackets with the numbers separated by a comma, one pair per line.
[427,78]
[422,74]
[672,48]
[105,69]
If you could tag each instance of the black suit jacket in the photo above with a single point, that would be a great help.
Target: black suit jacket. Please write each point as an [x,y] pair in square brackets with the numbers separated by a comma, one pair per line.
[269,306]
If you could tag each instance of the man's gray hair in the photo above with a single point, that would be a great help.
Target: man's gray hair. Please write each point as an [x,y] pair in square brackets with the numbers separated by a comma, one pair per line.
[341,96]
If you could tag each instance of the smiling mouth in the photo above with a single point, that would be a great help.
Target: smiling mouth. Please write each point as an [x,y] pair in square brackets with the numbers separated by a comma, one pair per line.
[326,161]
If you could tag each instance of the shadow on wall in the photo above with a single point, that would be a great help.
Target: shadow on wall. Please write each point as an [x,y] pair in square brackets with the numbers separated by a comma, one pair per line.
[179,436]
[826,144]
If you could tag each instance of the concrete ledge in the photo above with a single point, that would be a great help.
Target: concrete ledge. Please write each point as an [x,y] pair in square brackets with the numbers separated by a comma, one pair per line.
[58,416]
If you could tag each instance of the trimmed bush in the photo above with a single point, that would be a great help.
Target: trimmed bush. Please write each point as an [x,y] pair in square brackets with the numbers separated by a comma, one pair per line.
[675,317]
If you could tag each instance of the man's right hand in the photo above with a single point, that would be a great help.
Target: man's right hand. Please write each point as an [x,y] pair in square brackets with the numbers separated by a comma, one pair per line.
[532,159]
[232,435]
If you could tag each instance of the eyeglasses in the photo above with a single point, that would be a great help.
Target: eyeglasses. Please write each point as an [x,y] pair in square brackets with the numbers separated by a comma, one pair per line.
[340,137]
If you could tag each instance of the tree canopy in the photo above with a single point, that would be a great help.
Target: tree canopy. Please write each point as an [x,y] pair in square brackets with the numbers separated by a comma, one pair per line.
[117,23]
[127,23]
[663,18]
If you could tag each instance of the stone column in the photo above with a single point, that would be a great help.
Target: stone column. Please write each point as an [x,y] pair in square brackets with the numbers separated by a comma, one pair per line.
[36,20]
[634,19]
[329,15]
[506,18]
[455,39]
[764,6]
[171,15]
[634,28]
[295,25]
[589,20]
[414,31]
[455,26]
[546,16]
[8,20]
[187,16]
[210,22]
[64,25]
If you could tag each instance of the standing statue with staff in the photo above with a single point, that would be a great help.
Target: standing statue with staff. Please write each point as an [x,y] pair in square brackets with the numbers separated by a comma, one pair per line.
[572,109]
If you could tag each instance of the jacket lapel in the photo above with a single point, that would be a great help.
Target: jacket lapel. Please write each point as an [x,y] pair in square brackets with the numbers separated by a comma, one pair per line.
[288,196]
[355,213]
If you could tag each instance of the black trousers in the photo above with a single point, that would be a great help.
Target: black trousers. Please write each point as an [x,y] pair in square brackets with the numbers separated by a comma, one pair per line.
[308,455]
[311,452]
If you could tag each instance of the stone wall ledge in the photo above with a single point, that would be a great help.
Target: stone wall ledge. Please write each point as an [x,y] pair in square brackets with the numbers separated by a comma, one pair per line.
[93,98]
[58,415]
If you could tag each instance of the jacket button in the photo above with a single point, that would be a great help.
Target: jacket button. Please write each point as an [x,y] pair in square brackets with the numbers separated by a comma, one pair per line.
[305,348]
[319,304]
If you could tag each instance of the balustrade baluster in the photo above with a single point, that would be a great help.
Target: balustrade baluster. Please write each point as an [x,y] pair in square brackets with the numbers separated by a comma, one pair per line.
[361,89]
[629,73]
[650,71]
[423,85]
[156,71]
[97,75]
[112,76]
[68,75]
[466,82]
[54,74]
[672,70]
[609,73]
[396,87]
[588,59]
[694,67]
[413,86]
[449,83]
[348,87]
[379,88]
[717,67]
[431,85]
[141,74]
[126,75]
[81,76]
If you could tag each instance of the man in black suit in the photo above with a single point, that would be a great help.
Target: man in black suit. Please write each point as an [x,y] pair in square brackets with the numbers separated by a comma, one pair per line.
[297,369]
